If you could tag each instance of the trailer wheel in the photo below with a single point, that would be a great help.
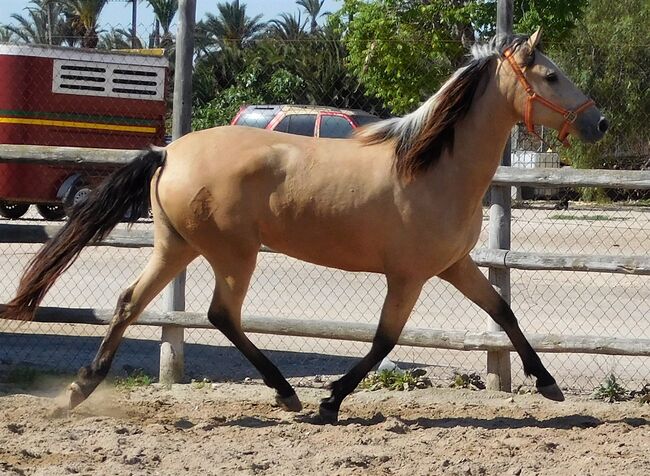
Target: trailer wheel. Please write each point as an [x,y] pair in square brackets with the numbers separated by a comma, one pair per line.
[51,211]
[13,210]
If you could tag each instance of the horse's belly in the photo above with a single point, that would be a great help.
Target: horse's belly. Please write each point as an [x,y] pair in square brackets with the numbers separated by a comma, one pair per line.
[324,245]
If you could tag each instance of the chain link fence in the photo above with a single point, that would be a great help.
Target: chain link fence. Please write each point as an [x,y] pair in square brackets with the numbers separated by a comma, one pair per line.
[65,97]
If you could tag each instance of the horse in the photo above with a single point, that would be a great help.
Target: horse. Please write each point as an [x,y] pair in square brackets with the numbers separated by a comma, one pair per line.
[403,198]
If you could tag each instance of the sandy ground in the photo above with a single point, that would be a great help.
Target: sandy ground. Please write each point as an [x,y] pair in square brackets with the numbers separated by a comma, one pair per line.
[233,428]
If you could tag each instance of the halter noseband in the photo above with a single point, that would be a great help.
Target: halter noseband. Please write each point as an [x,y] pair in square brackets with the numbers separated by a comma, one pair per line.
[569,115]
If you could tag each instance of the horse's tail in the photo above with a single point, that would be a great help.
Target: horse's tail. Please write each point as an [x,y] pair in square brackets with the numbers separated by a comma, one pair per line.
[125,191]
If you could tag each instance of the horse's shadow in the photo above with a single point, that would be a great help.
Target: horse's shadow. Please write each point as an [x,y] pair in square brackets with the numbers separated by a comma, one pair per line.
[566,422]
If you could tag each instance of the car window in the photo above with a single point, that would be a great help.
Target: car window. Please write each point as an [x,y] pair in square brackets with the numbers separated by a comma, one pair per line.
[362,120]
[259,119]
[283,125]
[302,124]
[336,127]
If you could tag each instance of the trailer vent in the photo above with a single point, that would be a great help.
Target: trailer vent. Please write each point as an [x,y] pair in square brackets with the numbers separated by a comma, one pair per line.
[108,80]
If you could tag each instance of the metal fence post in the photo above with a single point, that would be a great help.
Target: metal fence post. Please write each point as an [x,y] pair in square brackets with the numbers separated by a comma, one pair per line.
[498,363]
[172,338]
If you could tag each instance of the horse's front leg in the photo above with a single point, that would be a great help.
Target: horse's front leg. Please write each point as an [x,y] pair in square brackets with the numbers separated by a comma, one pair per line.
[469,280]
[401,297]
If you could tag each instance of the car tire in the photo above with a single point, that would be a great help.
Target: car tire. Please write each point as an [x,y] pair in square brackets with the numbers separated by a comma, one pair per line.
[13,210]
[51,211]
[77,194]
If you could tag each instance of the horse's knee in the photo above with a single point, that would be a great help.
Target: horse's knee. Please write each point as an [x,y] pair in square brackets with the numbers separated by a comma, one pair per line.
[221,318]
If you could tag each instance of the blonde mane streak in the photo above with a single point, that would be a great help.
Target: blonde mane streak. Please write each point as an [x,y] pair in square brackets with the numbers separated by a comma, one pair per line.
[421,136]
[405,129]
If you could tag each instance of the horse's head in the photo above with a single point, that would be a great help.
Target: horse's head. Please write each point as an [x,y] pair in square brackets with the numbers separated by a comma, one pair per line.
[542,94]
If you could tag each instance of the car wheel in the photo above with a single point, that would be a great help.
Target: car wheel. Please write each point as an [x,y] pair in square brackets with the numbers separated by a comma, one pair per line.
[77,195]
[13,210]
[51,211]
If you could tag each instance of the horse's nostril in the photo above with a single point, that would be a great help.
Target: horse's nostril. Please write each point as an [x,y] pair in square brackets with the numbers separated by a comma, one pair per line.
[603,125]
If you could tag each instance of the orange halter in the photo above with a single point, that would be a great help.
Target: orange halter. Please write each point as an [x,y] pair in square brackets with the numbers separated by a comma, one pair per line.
[569,115]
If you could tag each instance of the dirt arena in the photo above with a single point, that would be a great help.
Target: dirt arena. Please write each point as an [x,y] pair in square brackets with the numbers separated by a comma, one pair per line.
[231,428]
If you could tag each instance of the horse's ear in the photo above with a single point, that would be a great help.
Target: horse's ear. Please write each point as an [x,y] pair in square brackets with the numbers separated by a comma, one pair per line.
[534,39]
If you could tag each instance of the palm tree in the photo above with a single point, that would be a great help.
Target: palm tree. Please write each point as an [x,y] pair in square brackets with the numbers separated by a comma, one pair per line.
[313,8]
[165,10]
[35,26]
[85,16]
[221,41]
[231,27]
[6,36]
[31,28]
[288,28]
[117,39]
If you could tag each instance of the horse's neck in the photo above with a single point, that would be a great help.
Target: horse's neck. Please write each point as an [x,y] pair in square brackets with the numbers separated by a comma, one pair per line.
[479,142]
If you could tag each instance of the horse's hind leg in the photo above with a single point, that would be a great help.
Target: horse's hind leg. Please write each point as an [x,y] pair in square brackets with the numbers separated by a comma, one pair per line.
[233,272]
[400,299]
[171,254]
[469,280]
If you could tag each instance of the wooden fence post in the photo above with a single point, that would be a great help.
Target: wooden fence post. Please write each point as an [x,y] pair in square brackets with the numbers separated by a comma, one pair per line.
[172,338]
[498,362]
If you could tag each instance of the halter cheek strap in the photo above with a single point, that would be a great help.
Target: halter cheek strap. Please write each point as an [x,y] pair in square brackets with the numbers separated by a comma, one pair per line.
[569,115]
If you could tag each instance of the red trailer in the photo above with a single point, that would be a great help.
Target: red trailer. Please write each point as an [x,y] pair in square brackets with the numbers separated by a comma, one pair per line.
[74,97]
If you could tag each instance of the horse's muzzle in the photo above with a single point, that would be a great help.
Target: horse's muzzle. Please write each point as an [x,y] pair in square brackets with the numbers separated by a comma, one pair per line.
[591,126]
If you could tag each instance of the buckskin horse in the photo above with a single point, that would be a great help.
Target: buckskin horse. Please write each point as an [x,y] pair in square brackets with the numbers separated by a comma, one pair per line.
[402,198]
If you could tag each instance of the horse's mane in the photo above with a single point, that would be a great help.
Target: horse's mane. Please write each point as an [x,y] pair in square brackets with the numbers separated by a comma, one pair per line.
[423,135]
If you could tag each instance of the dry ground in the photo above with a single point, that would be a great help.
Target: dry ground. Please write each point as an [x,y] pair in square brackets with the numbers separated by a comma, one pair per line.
[234,429]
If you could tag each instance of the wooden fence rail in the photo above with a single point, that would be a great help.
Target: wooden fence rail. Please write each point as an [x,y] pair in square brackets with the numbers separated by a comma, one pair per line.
[362,332]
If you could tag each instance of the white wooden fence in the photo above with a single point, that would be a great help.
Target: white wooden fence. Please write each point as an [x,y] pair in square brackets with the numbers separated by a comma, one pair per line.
[495,259]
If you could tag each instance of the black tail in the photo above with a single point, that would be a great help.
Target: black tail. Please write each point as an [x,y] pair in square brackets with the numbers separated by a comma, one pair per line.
[125,191]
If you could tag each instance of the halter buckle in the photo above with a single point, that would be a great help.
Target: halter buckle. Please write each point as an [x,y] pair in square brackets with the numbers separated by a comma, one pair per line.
[570,117]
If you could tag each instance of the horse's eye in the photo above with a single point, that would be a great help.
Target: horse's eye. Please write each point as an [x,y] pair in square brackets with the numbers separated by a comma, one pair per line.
[551,77]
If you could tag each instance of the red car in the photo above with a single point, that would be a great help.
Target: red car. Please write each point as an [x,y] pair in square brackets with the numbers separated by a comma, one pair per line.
[317,121]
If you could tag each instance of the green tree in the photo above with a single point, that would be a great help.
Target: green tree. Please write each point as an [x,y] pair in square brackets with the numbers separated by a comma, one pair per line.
[313,9]
[220,44]
[288,28]
[257,84]
[402,50]
[232,27]
[6,35]
[85,16]
[557,17]
[165,11]
[117,39]
[608,56]
[33,27]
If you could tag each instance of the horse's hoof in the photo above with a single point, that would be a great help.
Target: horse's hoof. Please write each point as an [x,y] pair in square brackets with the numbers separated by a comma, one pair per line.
[328,416]
[76,395]
[552,392]
[290,403]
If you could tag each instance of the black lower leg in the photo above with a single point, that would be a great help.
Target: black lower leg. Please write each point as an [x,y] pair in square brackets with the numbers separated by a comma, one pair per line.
[531,361]
[271,375]
[329,407]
